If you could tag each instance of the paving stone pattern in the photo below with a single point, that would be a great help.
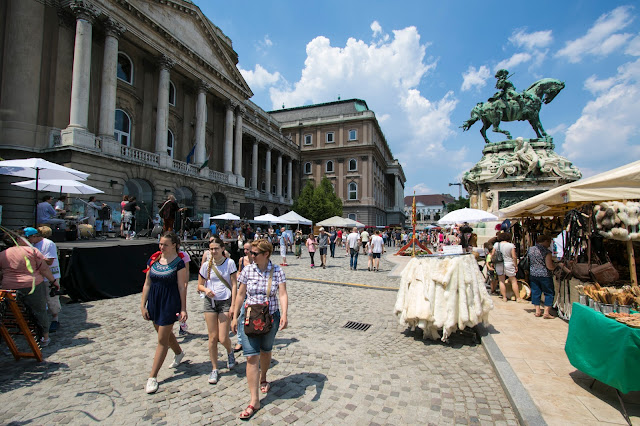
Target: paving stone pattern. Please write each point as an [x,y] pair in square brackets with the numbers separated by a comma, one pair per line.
[98,363]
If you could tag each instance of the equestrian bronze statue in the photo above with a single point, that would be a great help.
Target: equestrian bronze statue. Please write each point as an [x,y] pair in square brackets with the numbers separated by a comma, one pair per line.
[509,105]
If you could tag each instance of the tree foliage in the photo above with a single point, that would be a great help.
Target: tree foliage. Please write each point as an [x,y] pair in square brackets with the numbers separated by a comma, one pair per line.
[460,203]
[318,203]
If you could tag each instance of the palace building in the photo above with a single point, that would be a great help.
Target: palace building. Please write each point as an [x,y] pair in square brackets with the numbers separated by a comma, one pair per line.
[146,96]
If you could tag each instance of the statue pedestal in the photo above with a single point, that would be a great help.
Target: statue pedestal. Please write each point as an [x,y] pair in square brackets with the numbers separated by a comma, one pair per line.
[513,170]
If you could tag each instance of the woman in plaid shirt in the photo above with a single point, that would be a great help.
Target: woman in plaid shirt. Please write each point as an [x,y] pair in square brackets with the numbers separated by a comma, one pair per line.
[253,281]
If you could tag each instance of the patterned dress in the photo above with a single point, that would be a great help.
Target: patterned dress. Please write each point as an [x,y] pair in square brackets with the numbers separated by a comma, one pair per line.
[163,302]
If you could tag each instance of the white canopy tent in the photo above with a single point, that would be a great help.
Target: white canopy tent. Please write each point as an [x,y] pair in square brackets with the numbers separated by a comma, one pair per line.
[622,183]
[269,218]
[337,221]
[225,216]
[293,217]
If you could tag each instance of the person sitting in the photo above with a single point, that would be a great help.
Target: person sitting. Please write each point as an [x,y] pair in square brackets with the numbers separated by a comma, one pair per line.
[46,214]
[59,206]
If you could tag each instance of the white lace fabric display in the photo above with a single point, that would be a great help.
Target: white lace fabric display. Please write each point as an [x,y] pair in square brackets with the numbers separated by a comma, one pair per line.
[445,293]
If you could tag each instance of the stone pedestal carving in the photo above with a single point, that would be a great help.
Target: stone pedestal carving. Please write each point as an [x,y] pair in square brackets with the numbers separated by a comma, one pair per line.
[514,170]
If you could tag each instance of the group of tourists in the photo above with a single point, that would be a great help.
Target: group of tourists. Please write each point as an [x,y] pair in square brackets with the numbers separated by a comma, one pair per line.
[231,295]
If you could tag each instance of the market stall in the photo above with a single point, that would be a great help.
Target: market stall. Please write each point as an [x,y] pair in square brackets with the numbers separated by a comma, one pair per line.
[442,293]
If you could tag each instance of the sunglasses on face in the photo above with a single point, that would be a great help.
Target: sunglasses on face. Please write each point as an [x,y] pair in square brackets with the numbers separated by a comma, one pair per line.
[253,253]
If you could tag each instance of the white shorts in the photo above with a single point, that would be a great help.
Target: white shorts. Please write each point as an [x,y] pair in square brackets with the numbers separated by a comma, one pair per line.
[507,269]
[283,250]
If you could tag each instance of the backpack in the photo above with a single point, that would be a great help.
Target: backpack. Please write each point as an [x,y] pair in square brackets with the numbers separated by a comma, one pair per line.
[498,257]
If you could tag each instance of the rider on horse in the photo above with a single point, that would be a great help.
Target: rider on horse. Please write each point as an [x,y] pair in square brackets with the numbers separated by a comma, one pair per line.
[507,90]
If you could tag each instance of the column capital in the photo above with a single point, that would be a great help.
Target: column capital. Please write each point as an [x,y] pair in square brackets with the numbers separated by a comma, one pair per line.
[241,110]
[114,28]
[231,104]
[165,62]
[202,86]
[84,10]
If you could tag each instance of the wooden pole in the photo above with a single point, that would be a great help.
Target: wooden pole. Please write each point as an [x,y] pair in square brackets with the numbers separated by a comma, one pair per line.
[632,263]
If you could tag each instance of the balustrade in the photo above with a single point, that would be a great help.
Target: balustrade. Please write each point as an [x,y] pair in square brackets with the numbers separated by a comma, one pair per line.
[139,155]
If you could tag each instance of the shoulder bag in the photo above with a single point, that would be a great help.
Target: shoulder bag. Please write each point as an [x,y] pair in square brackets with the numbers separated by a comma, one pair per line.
[258,321]
[605,273]
[499,257]
[220,277]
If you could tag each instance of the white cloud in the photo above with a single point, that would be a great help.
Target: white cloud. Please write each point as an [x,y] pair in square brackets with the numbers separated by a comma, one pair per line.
[259,78]
[633,48]
[608,128]
[475,78]
[267,41]
[531,41]
[514,60]
[602,38]
[419,188]
[376,28]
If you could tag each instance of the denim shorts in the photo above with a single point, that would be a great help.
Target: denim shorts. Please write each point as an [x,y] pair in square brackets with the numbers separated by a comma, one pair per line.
[254,345]
[221,306]
[323,251]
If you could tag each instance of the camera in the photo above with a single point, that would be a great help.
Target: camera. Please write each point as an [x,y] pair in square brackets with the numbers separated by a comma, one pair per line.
[54,291]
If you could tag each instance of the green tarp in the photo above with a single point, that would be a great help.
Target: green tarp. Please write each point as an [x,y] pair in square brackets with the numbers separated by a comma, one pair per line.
[604,349]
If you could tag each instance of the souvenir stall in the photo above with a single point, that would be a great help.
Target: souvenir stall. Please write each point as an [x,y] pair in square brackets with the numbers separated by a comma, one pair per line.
[443,293]
[601,216]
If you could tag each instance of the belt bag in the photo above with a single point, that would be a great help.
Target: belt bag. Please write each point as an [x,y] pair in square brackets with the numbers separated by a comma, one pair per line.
[258,320]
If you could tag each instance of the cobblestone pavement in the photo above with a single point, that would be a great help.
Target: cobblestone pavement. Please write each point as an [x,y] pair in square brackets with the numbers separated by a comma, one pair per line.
[322,373]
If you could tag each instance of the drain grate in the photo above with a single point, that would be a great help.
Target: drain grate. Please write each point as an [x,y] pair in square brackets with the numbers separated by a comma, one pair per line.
[359,326]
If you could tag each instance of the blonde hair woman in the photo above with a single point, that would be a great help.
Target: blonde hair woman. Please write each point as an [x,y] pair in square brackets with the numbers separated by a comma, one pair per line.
[254,282]
[217,280]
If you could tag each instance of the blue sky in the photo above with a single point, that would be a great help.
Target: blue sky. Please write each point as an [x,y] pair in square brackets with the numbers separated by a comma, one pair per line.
[422,66]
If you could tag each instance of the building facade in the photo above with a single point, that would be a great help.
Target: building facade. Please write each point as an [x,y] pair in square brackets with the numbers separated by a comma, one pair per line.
[343,141]
[429,208]
[146,96]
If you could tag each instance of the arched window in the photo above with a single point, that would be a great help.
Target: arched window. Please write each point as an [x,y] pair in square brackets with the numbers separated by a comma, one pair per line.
[263,186]
[329,166]
[218,204]
[172,93]
[353,165]
[125,68]
[276,212]
[170,143]
[122,131]
[353,191]
[263,210]
[307,168]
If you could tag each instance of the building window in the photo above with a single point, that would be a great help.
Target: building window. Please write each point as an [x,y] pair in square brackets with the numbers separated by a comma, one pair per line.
[307,168]
[353,191]
[122,131]
[125,68]
[353,135]
[263,187]
[353,165]
[308,139]
[353,216]
[329,166]
[330,137]
[172,94]
[170,143]
[273,189]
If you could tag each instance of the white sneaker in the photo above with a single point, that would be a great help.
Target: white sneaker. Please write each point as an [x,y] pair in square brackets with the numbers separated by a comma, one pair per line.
[177,360]
[213,377]
[152,385]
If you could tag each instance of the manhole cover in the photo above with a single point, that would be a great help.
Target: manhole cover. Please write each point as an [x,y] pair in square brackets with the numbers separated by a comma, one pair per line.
[359,326]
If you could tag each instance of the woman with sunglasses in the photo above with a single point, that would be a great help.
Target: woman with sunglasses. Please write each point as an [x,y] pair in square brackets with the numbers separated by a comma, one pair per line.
[254,281]
[217,280]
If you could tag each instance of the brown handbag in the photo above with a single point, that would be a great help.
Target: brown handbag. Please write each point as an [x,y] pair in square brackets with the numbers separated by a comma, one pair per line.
[580,270]
[258,321]
[605,273]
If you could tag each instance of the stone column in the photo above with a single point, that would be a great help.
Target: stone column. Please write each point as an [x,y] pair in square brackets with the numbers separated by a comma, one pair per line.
[279,176]
[228,139]
[237,148]
[267,170]
[254,166]
[109,79]
[162,113]
[201,117]
[76,133]
[290,180]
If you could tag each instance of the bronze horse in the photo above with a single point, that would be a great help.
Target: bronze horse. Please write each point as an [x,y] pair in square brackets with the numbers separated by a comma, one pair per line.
[528,109]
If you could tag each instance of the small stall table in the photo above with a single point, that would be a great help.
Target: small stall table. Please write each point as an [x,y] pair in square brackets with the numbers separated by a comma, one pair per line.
[604,349]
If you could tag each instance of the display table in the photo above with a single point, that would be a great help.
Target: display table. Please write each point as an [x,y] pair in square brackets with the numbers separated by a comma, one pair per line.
[442,292]
[604,349]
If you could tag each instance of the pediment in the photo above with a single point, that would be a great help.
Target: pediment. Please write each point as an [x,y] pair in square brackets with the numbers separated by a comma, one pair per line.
[186,23]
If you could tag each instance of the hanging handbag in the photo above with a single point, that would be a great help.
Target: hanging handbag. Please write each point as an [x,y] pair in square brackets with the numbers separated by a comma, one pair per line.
[258,321]
[498,257]
[605,273]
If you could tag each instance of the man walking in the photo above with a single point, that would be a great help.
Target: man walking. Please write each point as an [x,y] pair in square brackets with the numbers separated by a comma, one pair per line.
[284,242]
[364,238]
[333,235]
[323,242]
[353,248]
[378,248]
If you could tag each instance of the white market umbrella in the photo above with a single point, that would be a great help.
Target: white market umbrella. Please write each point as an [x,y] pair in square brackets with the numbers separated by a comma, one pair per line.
[226,216]
[59,185]
[467,215]
[337,221]
[351,223]
[294,217]
[37,168]
[269,218]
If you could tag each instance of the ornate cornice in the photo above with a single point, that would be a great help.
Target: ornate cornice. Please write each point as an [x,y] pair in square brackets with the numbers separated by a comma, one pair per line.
[84,10]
